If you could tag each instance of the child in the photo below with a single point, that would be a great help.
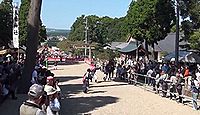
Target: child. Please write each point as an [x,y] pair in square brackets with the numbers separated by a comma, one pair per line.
[55,65]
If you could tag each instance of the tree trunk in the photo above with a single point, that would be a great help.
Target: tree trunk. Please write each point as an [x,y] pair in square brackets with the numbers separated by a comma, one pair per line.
[32,44]
[153,52]
[146,49]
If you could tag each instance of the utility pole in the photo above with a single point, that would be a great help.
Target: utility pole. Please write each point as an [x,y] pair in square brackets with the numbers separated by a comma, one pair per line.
[177,33]
[86,28]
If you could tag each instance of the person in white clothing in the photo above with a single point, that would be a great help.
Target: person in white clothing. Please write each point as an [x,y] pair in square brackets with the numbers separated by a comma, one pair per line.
[53,107]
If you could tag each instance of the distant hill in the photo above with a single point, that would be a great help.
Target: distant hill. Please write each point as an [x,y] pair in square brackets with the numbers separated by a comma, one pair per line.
[57,32]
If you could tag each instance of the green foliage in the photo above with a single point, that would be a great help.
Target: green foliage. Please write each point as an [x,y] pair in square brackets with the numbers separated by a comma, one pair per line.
[173,29]
[42,33]
[191,24]
[150,20]
[65,45]
[100,30]
[23,23]
[6,22]
[78,52]
[106,54]
[195,40]
[77,30]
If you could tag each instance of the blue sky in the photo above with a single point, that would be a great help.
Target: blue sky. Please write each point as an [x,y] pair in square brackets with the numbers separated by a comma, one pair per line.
[61,14]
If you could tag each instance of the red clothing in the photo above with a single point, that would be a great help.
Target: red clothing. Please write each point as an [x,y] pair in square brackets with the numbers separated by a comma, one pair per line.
[186,73]
[92,67]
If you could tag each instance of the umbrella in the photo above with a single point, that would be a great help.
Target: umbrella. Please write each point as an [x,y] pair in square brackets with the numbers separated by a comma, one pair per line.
[172,55]
[184,56]
[192,58]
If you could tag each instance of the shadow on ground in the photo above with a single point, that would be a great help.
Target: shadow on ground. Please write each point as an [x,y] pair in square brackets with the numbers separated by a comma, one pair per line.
[67,78]
[73,105]
[51,63]
[71,89]
[109,85]
[11,107]
[83,105]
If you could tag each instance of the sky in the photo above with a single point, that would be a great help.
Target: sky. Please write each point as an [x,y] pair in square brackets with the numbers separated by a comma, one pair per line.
[61,14]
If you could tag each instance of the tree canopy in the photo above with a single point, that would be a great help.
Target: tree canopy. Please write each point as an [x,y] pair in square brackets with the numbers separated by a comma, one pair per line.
[146,20]
[191,22]
[6,22]
[23,23]
[100,29]
[150,20]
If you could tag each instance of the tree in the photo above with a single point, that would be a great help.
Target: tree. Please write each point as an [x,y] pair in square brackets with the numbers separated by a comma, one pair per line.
[23,13]
[77,30]
[42,33]
[101,30]
[32,44]
[23,24]
[195,40]
[191,21]
[150,20]
[6,22]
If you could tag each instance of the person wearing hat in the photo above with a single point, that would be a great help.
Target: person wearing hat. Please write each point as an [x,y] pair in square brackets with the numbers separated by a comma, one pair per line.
[54,83]
[53,107]
[50,81]
[36,99]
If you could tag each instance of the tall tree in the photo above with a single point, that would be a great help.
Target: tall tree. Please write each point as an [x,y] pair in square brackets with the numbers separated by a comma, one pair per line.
[32,44]
[191,22]
[6,22]
[150,20]
[23,24]
[100,29]
[77,30]
[24,9]
[42,33]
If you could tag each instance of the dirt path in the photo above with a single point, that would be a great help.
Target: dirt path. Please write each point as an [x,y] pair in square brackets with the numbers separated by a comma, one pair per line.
[104,98]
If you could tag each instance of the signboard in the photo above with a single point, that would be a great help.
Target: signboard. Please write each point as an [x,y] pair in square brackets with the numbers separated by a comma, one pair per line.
[15,26]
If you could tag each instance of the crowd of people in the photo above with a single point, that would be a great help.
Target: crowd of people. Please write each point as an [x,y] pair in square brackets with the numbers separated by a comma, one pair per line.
[165,77]
[43,99]
[10,73]
[44,93]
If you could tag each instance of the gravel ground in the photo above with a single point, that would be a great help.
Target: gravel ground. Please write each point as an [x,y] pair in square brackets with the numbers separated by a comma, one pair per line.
[104,98]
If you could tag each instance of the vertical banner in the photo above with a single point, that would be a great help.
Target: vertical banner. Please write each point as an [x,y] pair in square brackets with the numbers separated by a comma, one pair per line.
[15,25]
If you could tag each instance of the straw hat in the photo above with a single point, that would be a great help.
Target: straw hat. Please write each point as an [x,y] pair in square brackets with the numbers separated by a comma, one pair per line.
[50,90]
[50,78]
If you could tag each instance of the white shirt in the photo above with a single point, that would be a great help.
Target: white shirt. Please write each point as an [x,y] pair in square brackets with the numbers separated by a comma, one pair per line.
[198,76]
[129,62]
[149,73]
[53,106]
